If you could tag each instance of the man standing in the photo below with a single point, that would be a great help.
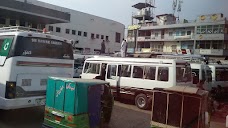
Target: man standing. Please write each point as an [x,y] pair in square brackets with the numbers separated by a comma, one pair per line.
[123,48]
[103,47]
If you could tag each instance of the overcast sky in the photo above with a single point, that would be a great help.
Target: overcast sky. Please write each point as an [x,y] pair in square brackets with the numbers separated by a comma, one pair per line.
[121,10]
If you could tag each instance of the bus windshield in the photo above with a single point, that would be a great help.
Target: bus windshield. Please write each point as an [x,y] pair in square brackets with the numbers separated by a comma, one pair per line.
[42,48]
[183,74]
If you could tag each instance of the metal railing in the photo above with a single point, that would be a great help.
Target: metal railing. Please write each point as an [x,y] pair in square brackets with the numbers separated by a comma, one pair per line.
[19,28]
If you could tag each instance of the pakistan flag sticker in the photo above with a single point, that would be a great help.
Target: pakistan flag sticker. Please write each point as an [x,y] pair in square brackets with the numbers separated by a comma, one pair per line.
[6,47]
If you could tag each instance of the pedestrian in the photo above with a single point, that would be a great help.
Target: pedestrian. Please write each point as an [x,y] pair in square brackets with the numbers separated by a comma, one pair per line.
[103,47]
[123,48]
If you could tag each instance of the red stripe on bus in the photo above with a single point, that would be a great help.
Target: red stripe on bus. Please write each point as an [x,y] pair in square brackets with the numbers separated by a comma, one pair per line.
[43,64]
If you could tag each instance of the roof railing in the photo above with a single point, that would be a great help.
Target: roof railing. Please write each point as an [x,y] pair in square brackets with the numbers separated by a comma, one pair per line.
[19,28]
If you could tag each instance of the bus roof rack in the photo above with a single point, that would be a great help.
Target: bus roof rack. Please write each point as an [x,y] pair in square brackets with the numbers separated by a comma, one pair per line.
[20,28]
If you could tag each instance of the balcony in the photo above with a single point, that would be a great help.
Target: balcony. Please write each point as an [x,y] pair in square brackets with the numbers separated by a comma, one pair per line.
[215,52]
[185,37]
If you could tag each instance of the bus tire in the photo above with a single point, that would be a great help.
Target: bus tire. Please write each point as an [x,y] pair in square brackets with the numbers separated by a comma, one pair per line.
[141,101]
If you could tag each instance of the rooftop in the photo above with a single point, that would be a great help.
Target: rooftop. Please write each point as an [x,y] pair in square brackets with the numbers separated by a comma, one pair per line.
[142,5]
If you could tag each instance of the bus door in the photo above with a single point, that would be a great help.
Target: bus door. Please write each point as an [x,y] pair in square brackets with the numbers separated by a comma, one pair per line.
[113,78]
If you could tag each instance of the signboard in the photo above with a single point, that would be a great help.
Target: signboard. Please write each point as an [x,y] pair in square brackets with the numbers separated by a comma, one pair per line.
[134,27]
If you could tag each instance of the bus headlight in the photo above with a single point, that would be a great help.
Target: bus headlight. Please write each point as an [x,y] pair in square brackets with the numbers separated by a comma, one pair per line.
[10,90]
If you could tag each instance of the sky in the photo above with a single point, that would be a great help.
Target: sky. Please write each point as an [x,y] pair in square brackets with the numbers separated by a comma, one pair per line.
[121,10]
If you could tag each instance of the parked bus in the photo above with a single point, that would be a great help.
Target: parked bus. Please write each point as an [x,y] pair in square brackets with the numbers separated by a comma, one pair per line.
[214,73]
[27,58]
[134,78]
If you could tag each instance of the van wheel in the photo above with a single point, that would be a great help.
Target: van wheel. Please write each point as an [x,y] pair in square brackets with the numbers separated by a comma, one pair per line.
[141,101]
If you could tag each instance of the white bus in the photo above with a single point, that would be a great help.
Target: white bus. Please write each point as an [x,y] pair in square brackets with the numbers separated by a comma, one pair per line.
[134,78]
[26,60]
[214,73]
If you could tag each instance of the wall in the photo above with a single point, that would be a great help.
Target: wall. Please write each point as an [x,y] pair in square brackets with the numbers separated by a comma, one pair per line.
[168,46]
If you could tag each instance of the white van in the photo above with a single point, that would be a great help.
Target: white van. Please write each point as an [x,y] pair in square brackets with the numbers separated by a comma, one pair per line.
[134,78]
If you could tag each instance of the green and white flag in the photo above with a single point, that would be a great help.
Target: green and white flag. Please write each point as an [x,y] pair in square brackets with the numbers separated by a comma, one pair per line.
[6,47]
[4,50]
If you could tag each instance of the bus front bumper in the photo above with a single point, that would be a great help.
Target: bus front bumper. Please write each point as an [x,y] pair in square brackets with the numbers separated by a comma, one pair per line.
[24,102]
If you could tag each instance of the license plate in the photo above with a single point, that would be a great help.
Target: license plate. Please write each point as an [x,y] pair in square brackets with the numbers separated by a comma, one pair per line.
[41,101]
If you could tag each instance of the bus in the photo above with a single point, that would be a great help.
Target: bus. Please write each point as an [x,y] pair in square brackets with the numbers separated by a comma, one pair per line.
[213,73]
[27,58]
[135,78]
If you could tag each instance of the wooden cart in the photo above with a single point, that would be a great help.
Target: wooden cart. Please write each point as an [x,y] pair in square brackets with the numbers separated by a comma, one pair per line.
[180,107]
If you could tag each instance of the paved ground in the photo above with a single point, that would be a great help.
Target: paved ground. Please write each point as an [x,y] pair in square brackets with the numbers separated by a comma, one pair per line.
[124,116]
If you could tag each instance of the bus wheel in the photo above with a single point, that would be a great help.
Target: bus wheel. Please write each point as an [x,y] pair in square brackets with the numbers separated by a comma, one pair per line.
[141,101]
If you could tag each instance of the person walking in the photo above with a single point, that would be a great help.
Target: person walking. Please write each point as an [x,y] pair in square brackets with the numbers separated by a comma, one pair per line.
[123,48]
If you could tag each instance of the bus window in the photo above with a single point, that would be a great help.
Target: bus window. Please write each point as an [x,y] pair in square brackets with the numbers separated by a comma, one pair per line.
[111,71]
[209,75]
[149,73]
[163,74]
[92,68]
[221,74]
[138,72]
[183,74]
[126,71]
[195,73]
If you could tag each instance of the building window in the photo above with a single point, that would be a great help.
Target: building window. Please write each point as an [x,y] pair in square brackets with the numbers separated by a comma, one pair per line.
[58,29]
[203,29]
[156,34]
[177,33]
[85,34]
[22,23]
[198,30]
[79,33]
[50,28]
[12,22]
[2,21]
[170,33]
[183,33]
[107,38]
[216,29]
[209,29]
[102,36]
[217,44]
[174,48]
[118,37]
[189,32]
[221,28]
[92,36]
[67,31]
[97,36]
[73,32]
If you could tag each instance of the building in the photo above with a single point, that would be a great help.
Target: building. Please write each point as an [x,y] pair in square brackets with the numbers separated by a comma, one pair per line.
[206,35]
[86,31]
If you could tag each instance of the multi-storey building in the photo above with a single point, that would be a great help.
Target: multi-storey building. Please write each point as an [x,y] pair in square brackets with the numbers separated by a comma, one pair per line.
[86,31]
[206,35]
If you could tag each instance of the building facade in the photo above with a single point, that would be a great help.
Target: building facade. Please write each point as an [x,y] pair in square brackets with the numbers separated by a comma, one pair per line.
[86,31]
[206,35]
